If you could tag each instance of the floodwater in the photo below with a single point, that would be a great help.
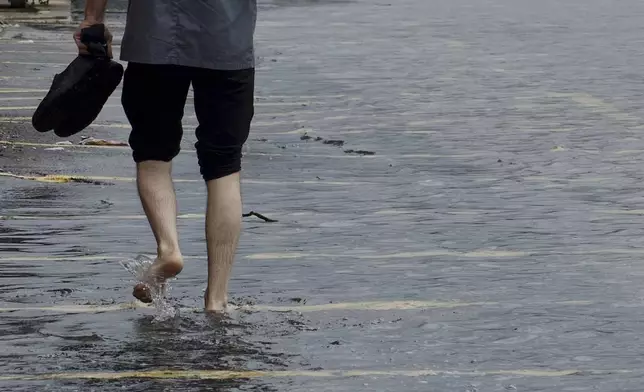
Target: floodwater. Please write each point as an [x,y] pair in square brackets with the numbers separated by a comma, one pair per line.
[458,194]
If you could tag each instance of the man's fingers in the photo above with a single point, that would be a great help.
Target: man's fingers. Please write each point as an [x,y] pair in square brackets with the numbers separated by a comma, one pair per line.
[82,48]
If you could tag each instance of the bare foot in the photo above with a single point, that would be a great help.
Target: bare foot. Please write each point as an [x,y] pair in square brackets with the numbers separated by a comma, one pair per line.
[162,269]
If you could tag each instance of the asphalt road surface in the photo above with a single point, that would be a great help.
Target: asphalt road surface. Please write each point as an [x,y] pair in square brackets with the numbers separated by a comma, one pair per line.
[458,190]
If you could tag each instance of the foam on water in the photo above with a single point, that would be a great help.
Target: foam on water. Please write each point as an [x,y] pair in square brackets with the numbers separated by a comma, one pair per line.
[139,267]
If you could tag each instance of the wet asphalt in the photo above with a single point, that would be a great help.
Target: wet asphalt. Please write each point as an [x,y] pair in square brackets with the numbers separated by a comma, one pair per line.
[458,195]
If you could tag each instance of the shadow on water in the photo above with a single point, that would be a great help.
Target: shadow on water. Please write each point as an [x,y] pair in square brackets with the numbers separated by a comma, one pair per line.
[190,342]
[32,201]
[18,240]
[23,196]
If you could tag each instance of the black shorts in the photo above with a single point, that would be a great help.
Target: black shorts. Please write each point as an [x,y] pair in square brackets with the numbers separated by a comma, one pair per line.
[154,97]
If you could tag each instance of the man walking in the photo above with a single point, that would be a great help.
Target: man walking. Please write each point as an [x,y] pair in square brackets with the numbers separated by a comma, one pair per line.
[170,45]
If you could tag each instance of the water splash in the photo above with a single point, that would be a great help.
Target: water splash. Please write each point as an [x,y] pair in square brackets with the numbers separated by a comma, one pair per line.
[139,267]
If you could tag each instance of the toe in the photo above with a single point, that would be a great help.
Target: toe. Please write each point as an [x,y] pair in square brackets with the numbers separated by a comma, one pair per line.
[142,293]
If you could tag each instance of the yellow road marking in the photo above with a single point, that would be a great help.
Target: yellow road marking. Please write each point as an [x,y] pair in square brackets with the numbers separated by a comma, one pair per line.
[294,255]
[572,180]
[51,145]
[624,152]
[118,106]
[340,306]
[22,119]
[385,256]
[55,178]
[291,155]
[38,98]
[626,251]
[20,98]
[22,90]
[622,212]
[371,306]
[297,255]
[257,97]
[30,42]
[41,217]
[171,374]
[34,63]
[61,258]
[600,106]
[7,108]
[27,77]
[66,178]
[73,54]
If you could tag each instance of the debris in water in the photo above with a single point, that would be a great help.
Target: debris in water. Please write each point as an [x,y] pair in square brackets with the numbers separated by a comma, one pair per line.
[102,142]
[55,149]
[338,143]
[65,143]
[359,152]
[62,292]
[260,216]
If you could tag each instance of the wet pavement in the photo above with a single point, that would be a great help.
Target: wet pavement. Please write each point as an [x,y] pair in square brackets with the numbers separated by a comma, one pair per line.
[458,193]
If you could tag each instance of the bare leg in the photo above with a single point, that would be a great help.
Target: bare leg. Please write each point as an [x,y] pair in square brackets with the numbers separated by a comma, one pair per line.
[223,226]
[156,190]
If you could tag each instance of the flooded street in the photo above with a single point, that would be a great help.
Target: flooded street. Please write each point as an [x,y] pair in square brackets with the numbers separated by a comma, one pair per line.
[458,193]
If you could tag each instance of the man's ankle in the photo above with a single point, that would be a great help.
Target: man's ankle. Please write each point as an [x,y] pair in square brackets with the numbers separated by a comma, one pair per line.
[216,303]
[215,306]
[169,252]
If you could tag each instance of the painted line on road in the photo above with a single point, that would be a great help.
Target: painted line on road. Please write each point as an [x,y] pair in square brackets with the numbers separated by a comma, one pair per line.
[65,178]
[65,218]
[64,258]
[622,212]
[482,254]
[74,178]
[256,104]
[387,256]
[296,154]
[27,120]
[340,306]
[36,64]
[54,145]
[22,90]
[40,52]
[368,305]
[258,114]
[171,374]
[569,180]
[598,105]
[17,90]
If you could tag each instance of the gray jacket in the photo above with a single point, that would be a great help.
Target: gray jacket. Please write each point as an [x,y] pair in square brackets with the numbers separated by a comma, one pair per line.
[214,34]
